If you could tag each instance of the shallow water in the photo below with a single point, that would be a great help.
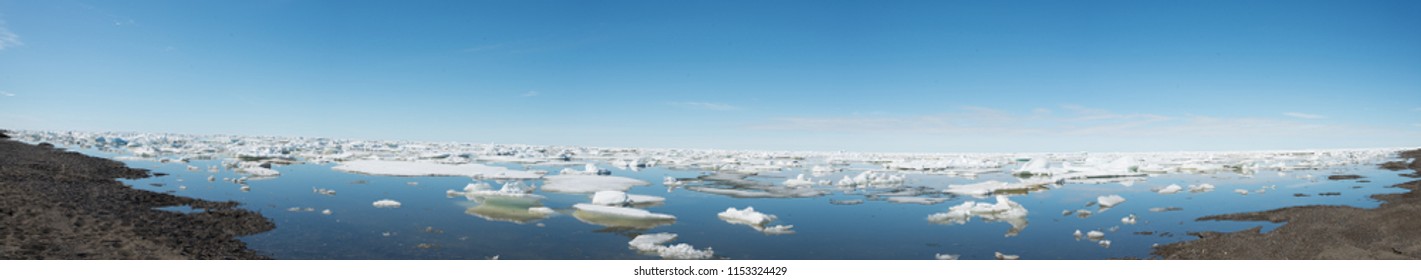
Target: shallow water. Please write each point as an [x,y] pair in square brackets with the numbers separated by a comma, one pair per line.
[431,225]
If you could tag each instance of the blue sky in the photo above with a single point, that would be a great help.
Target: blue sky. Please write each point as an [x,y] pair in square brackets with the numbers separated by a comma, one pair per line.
[912,76]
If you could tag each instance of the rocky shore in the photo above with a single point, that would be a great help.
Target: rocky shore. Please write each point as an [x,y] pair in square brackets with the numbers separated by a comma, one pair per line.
[1321,232]
[56,204]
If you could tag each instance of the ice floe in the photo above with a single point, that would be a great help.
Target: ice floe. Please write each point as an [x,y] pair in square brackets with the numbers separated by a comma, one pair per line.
[386,203]
[651,244]
[589,183]
[1109,200]
[1171,189]
[407,168]
[620,216]
[1004,210]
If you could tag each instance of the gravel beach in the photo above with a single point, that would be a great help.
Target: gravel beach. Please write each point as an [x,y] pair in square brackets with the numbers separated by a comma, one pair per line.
[56,204]
[1321,232]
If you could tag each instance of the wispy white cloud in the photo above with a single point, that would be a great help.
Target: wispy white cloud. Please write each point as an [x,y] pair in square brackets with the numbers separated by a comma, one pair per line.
[8,39]
[1304,116]
[706,106]
[531,93]
[6,93]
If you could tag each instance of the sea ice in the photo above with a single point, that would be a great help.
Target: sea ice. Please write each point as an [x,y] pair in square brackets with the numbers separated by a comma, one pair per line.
[1109,200]
[589,183]
[386,203]
[1171,189]
[406,168]
[946,257]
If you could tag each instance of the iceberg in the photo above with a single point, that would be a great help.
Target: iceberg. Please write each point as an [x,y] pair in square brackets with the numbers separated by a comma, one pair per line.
[508,213]
[407,168]
[590,183]
[997,187]
[620,216]
[386,203]
[745,217]
[684,251]
[916,200]
[1109,200]
[799,182]
[1205,187]
[1004,210]
[619,198]
[1171,189]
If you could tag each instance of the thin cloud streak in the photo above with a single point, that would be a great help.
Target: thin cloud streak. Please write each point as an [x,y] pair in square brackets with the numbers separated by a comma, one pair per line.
[8,39]
[706,106]
[1304,116]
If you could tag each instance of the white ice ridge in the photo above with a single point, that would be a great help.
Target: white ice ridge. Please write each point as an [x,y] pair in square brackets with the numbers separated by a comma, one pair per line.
[630,213]
[619,198]
[589,183]
[755,220]
[1171,189]
[386,203]
[408,168]
[990,187]
[651,244]
[745,217]
[1108,201]
[799,182]
[1004,210]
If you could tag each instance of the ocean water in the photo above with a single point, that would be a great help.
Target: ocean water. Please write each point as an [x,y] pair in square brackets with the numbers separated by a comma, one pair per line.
[432,225]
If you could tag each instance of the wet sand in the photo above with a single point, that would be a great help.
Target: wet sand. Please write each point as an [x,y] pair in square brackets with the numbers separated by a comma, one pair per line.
[1321,232]
[65,205]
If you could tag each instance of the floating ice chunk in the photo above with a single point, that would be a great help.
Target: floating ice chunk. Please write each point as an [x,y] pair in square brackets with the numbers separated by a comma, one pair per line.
[477,186]
[1205,187]
[1129,220]
[799,181]
[323,191]
[619,217]
[745,217]
[211,178]
[946,257]
[684,251]
[1095,235]
[326,212]
[670,181]
[1171,189]
[509,195]
[615,198]
[1109,200]
[541,210]
[589,169]
[245,188]
[257,171]
[650,242]
[406,168]
[1077,235]
[618,198]
[507,213]
[1241,191]
[761,193]
[386,203]
[846,202]
[590,183]
[1104,243]
[1004,210]
[1165,209]
[622,212]
[994,187]
[778,229]
[1082,213]
[916,200]
[1001,256]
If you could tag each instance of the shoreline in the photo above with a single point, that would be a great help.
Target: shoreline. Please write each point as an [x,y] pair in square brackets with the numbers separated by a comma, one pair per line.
[1320,231]
[56,204]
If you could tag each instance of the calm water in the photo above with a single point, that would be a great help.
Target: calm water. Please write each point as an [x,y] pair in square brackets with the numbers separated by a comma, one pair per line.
[431,225]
